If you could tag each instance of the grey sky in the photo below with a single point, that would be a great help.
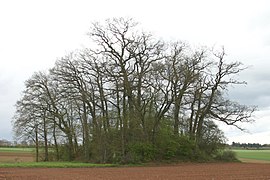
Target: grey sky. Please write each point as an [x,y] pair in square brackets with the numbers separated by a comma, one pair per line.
[33,34]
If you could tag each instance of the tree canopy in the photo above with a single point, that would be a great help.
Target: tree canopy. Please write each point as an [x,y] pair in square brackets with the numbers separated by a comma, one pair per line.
[131,97]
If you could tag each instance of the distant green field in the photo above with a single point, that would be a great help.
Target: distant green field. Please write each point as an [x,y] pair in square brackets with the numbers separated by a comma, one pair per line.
[253,154]
[15,149]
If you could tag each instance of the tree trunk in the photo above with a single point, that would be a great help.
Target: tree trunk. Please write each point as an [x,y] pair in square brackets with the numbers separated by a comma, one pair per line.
[36,140]
[46,154]
[70,147]
[55,142]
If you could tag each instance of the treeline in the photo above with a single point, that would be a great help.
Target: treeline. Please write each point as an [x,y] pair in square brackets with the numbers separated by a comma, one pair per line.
[4,142]
[130,98]
[249,145]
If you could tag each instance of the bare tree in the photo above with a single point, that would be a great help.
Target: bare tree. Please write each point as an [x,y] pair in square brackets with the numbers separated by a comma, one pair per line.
[129,91]
[32,110]
[208,101]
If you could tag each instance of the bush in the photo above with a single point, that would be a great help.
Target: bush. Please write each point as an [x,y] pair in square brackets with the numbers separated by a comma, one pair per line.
[64,153]
[170,150]
[187,148]
[226,155]
[141,152]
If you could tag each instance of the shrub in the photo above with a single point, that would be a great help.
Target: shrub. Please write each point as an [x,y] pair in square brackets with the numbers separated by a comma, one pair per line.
[226,155]
[187,148]
[141,152]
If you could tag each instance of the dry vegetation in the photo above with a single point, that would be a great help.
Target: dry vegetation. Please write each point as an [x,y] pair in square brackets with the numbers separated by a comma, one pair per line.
[16,157]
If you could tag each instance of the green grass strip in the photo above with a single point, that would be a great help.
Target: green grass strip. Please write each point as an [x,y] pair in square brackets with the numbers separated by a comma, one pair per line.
[5,149]
[253,154]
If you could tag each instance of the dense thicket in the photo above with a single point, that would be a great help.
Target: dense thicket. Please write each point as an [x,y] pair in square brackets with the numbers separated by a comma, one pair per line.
[130,98]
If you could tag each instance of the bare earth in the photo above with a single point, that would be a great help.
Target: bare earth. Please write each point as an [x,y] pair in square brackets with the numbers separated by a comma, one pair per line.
[181,171]
[6,157]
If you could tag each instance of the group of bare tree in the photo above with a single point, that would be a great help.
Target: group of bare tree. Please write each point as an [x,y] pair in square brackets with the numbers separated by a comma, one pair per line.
[96,102]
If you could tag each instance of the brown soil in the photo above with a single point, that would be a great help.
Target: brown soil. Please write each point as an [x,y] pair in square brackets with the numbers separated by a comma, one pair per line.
[6,157]
[181,171]
[253,160]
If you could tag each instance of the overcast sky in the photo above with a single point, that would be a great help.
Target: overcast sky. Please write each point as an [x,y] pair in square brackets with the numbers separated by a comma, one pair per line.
[34,33]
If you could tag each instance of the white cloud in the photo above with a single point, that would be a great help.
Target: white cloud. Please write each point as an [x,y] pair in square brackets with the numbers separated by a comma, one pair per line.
[35,33]
[262,138]
[256,132]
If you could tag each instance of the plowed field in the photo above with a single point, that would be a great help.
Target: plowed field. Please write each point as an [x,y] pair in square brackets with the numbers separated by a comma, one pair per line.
[16,157]
[182,171]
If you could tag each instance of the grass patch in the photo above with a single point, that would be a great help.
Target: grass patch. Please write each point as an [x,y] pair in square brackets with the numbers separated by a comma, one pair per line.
[54,165]
[16,150]
[253,154]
